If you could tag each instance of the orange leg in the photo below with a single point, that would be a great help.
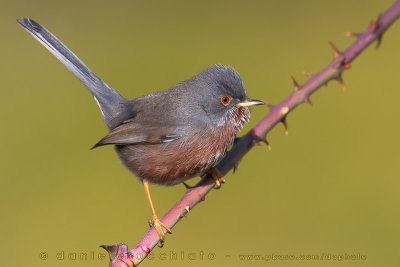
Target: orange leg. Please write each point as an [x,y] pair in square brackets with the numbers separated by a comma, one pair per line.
[158,225]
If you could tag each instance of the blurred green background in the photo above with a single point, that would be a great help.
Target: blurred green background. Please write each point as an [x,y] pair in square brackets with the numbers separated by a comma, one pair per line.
[331,186]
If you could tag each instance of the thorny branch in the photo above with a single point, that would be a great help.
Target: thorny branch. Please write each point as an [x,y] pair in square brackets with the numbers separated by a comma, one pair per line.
[119,254]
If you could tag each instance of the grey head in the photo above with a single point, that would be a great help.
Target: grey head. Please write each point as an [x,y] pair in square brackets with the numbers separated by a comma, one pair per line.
[222,89]
[221,94]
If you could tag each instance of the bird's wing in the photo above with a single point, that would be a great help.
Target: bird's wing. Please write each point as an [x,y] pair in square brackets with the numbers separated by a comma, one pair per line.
[139,133]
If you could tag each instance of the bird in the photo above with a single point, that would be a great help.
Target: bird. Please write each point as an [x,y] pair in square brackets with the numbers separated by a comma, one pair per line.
[168,136]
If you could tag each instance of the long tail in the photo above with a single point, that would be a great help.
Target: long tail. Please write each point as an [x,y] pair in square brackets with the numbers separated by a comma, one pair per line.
[114,107]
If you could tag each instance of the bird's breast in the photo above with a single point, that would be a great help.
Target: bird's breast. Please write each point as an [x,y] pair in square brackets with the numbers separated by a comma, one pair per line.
[192,155]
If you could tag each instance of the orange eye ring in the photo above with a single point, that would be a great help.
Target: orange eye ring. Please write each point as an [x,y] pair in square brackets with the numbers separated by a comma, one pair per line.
[225,100]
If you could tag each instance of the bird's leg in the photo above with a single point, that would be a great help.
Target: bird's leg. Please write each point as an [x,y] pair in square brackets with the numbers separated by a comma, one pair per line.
[217,177]
[158,225]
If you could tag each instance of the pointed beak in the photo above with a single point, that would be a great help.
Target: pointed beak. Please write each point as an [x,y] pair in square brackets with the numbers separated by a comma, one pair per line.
[249,102]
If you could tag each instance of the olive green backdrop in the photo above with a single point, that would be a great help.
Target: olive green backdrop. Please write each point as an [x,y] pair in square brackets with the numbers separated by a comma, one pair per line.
[330,187]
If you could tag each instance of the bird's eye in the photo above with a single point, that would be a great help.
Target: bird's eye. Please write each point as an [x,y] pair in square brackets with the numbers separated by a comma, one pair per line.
[225,100]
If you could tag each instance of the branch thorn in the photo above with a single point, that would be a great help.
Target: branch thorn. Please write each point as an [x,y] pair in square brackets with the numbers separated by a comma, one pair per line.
[374,25]
[352,34]
[185,212]
[284,122]
[296,85]
[255,143]
[335,50]
[307,100]
[305,73]
[267,143]
[379,41]
[270,106]
[340,80]
[236,165]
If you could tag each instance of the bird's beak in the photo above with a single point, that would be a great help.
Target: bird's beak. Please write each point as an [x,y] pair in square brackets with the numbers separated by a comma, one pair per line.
[249,102]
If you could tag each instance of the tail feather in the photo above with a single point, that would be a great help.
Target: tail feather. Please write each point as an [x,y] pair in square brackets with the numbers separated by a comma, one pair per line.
[114,107]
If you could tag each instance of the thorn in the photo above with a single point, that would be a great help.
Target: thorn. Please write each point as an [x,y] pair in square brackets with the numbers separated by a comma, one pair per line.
[150,222]
[236,165]
[203,198]
[284,122]
[374,25]
[267,143]
[115,250]
[305,73]
[340,80]
[307,100]
[297,87]
[187,209]
[379,41]
[269,105]
[284,110]
[352,34]
[335,50]
[378,22]
[347,66]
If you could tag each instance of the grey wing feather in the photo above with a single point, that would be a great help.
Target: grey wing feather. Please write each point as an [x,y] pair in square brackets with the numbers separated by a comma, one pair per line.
[138,133]
[114,107]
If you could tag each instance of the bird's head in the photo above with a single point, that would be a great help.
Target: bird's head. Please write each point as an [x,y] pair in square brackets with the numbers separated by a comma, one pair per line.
[223,96]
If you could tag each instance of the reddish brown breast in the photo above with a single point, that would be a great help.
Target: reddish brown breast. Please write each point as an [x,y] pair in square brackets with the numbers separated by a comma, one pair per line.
[174,162]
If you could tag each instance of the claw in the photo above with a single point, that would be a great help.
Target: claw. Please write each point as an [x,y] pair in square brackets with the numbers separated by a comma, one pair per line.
[160,226]
[217,177]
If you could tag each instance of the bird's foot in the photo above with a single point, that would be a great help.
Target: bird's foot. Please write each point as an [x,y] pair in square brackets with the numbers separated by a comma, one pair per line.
[160,226]
[217,177]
